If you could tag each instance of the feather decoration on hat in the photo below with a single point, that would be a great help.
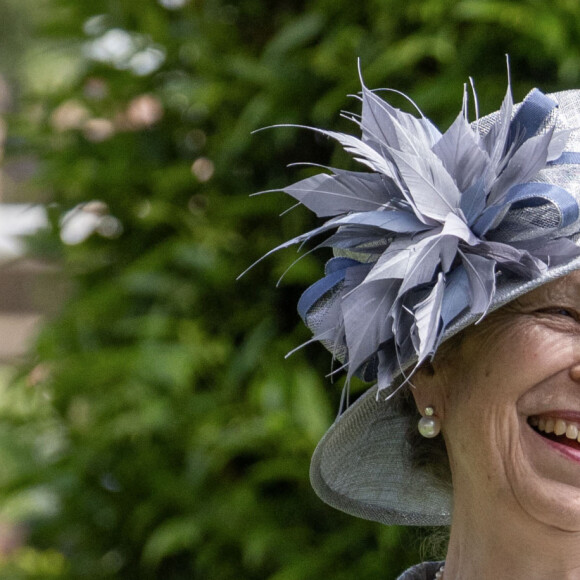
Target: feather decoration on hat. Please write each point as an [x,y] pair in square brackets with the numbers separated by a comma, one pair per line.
[421,238]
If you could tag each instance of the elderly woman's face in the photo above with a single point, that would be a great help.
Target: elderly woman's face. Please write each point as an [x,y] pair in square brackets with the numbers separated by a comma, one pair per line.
[517,369]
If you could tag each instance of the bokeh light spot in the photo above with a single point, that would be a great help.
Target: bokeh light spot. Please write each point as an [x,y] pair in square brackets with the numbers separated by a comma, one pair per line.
[203,168]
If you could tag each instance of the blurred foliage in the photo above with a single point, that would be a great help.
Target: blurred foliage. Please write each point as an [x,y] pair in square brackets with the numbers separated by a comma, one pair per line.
[157,430]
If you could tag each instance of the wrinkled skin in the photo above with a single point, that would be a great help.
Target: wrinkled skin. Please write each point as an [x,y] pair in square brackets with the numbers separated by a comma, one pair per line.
[516,497]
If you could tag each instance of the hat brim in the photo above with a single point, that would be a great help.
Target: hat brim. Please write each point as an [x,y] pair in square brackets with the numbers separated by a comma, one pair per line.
[362,465]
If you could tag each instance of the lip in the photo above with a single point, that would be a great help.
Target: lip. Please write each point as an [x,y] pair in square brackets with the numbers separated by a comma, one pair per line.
[569,416]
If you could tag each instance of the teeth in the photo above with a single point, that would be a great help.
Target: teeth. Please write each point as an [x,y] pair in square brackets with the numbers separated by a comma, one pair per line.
[560,427]
[557,426]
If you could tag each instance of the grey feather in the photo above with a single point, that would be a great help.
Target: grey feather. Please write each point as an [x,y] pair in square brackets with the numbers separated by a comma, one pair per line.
[330,195]
[427,318]
[394,262]
[432,190]
[387,126]
[456,296]
[481,274]
[365,311]
[523,165]
[473,200]
[496,140]
[516,260]
[424,263]
[389,221]
[461,153]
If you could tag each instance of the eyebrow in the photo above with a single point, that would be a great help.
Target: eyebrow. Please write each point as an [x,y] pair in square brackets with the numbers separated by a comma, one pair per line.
[568,290]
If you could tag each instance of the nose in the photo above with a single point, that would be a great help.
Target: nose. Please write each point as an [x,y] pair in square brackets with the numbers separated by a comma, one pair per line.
[574,372]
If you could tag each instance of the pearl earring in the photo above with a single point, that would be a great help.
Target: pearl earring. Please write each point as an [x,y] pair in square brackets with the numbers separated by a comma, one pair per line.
[430,425]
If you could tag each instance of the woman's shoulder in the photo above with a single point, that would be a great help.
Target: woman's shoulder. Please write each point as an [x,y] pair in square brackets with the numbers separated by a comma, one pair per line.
[424,571]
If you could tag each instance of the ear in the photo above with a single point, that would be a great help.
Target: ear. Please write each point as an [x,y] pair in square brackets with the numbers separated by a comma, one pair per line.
[428,389]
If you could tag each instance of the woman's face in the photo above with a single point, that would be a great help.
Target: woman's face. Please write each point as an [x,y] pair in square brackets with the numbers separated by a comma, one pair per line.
[520,365]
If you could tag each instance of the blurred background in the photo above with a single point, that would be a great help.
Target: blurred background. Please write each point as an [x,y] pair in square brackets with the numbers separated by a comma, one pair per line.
[150,426]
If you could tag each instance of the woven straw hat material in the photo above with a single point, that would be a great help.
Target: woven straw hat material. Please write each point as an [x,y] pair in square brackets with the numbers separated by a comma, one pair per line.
[362,465]
[380,483]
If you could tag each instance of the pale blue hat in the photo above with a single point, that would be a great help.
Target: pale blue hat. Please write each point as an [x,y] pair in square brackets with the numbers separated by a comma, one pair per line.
[439,231]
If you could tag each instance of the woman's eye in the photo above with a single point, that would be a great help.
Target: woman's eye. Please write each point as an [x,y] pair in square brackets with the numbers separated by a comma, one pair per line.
[559,311]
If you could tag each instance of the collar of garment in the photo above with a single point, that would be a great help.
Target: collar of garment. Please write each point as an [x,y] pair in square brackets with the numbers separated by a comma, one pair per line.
[424,571]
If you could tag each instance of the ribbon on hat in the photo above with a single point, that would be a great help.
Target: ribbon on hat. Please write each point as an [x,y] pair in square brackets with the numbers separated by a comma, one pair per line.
[335,269]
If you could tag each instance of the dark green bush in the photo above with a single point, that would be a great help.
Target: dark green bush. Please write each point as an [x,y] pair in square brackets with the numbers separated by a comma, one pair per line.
[165,435]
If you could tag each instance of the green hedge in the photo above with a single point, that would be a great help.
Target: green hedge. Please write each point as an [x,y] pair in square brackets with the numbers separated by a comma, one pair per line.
[164,434]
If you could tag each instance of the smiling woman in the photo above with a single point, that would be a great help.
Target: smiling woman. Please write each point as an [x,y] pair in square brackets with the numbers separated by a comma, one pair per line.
[455,285]
[517,485]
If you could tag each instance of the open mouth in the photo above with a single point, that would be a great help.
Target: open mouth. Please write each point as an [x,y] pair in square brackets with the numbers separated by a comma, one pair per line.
[557,430]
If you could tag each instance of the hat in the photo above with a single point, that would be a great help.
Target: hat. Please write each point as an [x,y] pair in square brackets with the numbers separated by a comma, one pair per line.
[439,231]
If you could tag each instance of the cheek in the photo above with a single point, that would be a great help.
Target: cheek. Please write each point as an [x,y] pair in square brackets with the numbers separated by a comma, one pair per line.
[540,355]
[502,363]
[487,382]
[490,375]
